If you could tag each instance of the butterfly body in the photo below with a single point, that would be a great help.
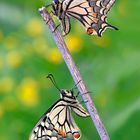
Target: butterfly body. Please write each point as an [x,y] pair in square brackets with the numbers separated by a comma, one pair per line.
[57,123]
[92,14]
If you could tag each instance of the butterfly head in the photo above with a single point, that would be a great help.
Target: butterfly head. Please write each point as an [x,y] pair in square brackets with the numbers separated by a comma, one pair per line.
[55,7]
[55,1]
[63,92]
[67,93]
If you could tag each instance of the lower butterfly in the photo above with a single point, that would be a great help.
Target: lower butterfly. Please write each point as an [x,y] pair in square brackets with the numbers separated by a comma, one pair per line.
[92,14]
[57,123]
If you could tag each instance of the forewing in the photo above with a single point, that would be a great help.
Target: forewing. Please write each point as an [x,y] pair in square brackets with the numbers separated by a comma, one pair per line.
[56,124]
[91,13]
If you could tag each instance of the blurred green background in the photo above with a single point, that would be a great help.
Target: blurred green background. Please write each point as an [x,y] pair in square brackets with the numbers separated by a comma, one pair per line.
[110,67]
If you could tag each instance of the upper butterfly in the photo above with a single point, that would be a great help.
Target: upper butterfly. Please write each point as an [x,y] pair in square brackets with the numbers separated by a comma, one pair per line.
[57,123]
[91,13]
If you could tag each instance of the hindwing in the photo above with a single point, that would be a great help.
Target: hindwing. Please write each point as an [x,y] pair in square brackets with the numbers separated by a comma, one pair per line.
[91,13]
[65,24]
[58,124]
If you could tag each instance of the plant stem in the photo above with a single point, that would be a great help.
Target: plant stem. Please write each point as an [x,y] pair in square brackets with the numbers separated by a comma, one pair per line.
[75,74]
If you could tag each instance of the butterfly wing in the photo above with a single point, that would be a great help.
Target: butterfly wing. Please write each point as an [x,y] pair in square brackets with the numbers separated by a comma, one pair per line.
[79,110]
[56,124]
[107,4]
[65,25]
[91,13]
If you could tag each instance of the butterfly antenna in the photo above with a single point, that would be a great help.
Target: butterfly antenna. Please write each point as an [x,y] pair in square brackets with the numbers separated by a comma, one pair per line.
[75,86]
[50,76]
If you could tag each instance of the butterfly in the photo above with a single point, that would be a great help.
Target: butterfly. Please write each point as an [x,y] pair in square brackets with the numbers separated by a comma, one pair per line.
[57,123]
[92,14]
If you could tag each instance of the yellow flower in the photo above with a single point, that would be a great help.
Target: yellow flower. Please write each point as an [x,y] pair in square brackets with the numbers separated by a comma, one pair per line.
[103,41]
[28,92]
[6,84]
[74,43]
[13,59]
[54,56]
[34,27]
[10,42]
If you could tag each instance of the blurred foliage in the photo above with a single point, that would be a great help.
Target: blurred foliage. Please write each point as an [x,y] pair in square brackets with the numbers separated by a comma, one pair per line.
[110,67]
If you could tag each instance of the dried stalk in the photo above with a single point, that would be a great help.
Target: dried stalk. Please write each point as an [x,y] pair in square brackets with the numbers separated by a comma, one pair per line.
[75,74]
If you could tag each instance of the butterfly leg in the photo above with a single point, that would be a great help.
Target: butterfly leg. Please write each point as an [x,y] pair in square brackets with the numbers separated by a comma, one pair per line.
[51,14]
[86,92]
[78,93]
[48,21]
[81,102]
[75,86]
[56,28]
[82,93]
[48,5]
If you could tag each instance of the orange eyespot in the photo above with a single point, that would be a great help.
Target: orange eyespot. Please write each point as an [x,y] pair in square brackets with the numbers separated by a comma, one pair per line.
[76,135]
[90,30]
[94,15]
[60,132]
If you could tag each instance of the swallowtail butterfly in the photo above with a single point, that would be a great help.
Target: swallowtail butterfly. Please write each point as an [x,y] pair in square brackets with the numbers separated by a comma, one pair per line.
[91,13]
[57,123]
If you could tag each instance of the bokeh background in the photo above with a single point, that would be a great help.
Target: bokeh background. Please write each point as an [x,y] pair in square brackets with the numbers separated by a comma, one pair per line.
[110,67]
